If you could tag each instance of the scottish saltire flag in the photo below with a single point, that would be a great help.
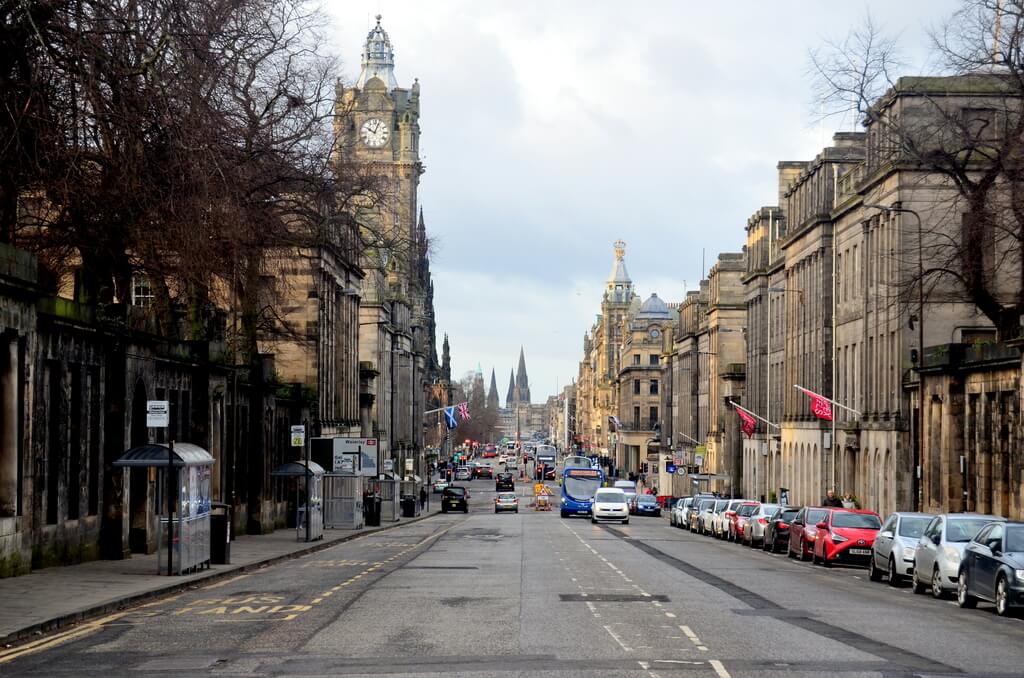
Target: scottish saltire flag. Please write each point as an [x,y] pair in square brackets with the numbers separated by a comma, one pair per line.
[464,411]
[449,417]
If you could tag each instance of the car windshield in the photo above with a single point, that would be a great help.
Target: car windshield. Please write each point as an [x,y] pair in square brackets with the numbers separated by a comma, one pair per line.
[746,510]
[707,505]
[816,516]
[581,488]
[606,496]
[646,499]
[788,514]
[913,526]
[767,509]
[504,476]
[457,491]
[1015,539]
[864,521]
[507,496]
[962,530]
[720,506]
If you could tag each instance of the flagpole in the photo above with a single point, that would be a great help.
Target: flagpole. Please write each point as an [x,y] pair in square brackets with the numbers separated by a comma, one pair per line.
[755,416]
[818,395]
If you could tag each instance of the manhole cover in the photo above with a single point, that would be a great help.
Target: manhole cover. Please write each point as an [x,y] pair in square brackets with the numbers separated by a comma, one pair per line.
[611,598]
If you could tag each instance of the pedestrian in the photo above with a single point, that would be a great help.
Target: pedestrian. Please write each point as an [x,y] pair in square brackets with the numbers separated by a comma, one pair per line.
[849,502]
[423,497]
[831,500]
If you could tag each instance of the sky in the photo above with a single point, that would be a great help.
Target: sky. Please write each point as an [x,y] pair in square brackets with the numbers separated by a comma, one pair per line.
[551,129]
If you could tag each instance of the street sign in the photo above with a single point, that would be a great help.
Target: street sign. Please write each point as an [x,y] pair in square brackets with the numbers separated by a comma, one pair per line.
[670,468]
[389,465]
[698,459]
[298,435]
[408,464]
[362,452]
[158,414]
[348,466]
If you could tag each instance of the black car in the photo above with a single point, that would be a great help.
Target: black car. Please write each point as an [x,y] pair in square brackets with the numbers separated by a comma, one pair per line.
[776,532]
[646,505]
[989,567]
[454,499]
[483,471]
[504,481]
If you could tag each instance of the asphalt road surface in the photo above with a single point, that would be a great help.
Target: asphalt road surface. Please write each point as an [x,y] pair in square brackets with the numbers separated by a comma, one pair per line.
[532,594]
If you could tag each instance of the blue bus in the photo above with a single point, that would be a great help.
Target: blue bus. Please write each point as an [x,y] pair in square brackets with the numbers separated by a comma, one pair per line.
[578,488]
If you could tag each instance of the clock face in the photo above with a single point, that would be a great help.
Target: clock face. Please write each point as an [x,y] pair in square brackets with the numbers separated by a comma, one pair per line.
[655,333]
[374,133]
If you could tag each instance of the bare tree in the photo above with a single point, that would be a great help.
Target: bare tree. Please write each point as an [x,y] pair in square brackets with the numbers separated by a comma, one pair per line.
[967,133]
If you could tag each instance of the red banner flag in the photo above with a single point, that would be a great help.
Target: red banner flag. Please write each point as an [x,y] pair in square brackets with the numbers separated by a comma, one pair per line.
[749,423]
[821,407]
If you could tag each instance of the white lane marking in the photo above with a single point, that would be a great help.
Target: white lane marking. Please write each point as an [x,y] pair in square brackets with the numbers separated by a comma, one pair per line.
[670,615]
[719,669]
[617,639]
[693,637]
[644,665]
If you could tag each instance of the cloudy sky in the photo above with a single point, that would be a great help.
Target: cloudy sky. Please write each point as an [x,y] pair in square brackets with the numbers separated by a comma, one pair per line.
[551,129]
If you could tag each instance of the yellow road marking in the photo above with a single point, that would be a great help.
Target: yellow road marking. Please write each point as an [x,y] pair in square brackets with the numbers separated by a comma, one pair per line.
[59,639]
[222,583]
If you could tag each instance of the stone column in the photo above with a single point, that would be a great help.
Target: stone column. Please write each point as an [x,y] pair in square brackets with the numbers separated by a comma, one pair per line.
[10,413]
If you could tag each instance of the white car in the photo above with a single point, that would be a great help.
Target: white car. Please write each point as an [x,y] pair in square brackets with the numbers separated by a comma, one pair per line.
[502,458]
[706,521]
[720,523]
[940,548]
[610,504]
[678,511]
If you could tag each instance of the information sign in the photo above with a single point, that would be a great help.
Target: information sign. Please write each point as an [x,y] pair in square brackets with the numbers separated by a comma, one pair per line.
[158,414]
[298,435]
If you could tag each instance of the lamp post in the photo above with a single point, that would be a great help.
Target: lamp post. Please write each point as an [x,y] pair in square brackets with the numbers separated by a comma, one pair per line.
[919,448]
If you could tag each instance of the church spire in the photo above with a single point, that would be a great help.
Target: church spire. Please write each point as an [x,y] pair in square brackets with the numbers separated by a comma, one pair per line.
[492,393]
[378,59]
[522,381]
[510,397]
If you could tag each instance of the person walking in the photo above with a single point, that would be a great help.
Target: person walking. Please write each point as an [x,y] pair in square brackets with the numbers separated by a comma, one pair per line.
[423,497]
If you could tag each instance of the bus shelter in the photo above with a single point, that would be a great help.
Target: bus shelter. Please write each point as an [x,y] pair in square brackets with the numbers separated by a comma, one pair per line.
[183,482]
[343,501]
[306,478]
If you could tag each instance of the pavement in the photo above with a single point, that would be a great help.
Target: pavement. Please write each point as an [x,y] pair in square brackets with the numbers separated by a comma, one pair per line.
[532,594]
[54,597]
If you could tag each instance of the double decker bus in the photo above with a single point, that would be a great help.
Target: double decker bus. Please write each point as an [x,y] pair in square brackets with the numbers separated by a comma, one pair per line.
[579,484]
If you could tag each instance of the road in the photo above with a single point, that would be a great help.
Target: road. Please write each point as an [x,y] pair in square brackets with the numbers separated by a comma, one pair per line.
[532,594]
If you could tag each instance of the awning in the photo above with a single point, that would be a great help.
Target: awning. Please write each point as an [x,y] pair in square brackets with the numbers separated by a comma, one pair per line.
[297,468]
[146,456]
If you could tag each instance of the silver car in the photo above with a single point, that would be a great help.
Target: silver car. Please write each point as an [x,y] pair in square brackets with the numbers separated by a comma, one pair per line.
[938,553]
[678,510]
[705,506]
[753,527]
[893,550]
[709,516]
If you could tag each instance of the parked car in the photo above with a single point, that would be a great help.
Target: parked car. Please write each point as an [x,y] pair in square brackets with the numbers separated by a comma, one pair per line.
[720,525]
[736,523]
[504,481]
[705,506]
[992,568]
[610,504]
[692,509]
[675,516]
[776,532]
[846,536]
[455,498]
[752,533]
[646,505]
[893,550]
[708,518]
[506,501]
[803,531]
[941,548]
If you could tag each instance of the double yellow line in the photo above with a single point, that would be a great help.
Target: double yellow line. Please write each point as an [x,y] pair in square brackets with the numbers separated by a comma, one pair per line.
[58,639]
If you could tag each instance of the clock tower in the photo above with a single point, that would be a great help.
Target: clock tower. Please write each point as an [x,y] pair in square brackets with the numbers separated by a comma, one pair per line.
[377,127]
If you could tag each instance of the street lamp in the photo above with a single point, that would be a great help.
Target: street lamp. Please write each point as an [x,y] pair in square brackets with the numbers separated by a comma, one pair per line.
[919,448]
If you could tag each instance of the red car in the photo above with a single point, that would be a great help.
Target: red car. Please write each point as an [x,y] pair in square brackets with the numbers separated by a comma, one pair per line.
[743,512]
[846,536]
[803,531]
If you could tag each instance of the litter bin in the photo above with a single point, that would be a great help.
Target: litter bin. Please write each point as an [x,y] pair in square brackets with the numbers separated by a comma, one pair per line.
[408,507]
[371,508]
[220,533]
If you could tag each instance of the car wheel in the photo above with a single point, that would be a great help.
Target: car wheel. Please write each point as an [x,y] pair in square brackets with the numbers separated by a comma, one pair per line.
[593,521]
[444,510]
[465,510]
[564,514]
[874,574]
[1002,597]
[894,578]
[803,551]
[825,562]
[495,510]
[789,551]
[963,598]
[937,590]
[626,521]
[517,510]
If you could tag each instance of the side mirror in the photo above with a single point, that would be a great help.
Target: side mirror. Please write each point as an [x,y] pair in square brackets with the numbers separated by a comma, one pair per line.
[937,539]
[886,534]
[822,525]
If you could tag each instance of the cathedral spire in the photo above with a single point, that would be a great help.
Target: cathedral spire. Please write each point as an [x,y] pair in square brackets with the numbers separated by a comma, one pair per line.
[492,393]
[510,397]
[378,59]
[522,381]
